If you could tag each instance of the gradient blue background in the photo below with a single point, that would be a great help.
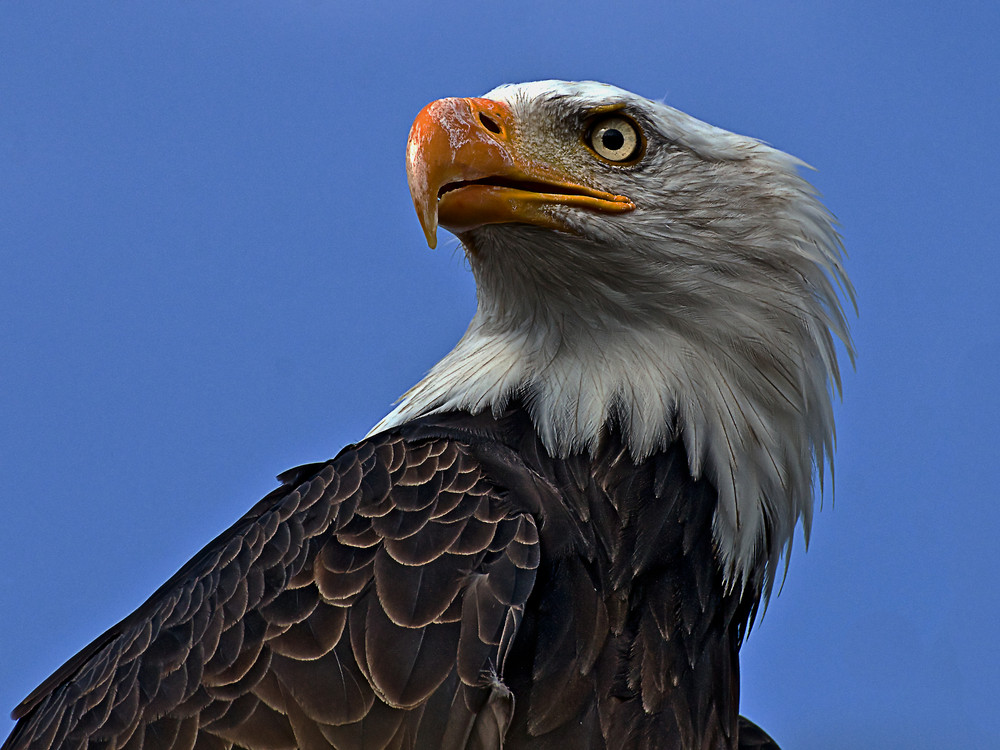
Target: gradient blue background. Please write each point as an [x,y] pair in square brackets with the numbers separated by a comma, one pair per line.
[210,271]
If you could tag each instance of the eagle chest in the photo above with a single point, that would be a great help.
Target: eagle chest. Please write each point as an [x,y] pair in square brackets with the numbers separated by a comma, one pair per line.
[629,630]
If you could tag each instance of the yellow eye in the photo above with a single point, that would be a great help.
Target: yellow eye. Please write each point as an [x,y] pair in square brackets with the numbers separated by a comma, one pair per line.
[615,138]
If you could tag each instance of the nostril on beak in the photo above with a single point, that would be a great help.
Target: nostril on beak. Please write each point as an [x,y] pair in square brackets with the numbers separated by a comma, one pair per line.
[489,123]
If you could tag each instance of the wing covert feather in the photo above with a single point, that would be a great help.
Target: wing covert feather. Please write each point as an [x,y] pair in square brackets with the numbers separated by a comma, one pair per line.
[363,589]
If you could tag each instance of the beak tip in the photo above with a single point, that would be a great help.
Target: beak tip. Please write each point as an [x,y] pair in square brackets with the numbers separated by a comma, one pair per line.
[428,222]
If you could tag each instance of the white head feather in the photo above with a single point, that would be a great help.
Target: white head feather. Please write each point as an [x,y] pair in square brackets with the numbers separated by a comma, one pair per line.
[709,314]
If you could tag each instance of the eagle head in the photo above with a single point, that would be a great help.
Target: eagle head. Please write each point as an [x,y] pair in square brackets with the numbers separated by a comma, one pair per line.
[641,270]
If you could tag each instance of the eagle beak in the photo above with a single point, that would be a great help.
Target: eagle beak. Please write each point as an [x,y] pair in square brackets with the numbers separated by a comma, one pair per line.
[465,171]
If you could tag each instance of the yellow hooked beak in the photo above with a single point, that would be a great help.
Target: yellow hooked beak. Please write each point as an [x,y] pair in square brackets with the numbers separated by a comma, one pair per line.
[464,173]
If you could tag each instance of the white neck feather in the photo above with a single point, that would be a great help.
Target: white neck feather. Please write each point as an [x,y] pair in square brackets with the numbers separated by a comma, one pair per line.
[751,404]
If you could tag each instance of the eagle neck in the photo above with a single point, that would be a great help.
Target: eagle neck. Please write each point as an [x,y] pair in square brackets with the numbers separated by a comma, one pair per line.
[735,367]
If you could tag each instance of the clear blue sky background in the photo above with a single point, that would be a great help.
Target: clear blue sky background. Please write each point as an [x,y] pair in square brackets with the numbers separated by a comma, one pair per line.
[210,271]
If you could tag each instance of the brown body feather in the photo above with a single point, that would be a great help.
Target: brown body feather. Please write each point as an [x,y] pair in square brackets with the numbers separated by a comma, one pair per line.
[446,584]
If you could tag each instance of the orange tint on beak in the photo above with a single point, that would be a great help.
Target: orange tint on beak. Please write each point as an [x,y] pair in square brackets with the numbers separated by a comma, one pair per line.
[463,172]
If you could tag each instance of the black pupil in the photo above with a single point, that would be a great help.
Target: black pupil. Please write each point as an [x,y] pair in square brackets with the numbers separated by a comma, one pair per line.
[612,139]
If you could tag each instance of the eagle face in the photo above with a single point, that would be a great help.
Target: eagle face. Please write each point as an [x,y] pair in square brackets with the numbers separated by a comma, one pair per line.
[639,268]
[636,196]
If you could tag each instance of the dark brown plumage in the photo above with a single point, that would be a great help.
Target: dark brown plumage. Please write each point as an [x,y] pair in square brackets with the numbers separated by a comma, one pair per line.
[430,587]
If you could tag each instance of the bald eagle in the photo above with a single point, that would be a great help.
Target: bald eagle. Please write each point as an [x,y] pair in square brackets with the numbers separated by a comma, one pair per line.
[560,537]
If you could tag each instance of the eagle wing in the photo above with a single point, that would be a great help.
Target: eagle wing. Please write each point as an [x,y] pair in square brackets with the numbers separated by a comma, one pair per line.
[368,602]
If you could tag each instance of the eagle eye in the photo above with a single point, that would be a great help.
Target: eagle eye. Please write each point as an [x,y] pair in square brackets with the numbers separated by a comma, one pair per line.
[616,139]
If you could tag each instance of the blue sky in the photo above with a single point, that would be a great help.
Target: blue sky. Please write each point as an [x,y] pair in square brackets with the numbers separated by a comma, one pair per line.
[210,271]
